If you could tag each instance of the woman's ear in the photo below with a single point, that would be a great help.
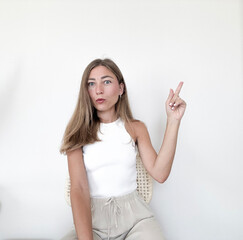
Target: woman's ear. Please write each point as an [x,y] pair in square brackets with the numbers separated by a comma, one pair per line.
[121,88]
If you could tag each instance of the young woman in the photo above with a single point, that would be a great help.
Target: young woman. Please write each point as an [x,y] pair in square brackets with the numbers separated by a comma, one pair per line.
[101,142]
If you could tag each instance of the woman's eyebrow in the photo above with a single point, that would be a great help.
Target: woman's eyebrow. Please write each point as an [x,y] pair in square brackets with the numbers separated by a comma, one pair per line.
[101,77]
[106,77]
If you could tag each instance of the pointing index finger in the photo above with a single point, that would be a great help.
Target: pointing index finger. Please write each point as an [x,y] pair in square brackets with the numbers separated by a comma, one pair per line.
[178,89]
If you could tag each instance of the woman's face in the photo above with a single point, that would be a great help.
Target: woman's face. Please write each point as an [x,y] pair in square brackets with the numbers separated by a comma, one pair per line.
[103,84]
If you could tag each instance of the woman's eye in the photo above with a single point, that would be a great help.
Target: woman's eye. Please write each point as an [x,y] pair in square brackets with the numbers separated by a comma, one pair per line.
[90,84]
[107,81]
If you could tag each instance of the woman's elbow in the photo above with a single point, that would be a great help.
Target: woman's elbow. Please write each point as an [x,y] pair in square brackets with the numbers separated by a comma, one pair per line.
[161,179]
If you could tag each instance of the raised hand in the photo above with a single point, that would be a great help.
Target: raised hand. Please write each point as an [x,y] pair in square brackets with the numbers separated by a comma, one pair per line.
[175,106]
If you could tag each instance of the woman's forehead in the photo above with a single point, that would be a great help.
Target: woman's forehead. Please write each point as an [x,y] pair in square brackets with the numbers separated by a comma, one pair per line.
[101,71]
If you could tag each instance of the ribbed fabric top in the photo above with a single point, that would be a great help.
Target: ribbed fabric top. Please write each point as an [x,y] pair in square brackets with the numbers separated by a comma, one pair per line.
[111,163]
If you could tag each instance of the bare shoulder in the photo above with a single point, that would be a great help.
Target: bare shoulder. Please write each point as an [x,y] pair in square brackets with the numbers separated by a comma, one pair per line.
[139,128]
[139,124]
[75,153]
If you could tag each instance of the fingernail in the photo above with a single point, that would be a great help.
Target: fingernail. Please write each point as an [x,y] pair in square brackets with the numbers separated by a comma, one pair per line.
[170,104]
[174,104]
[172,108]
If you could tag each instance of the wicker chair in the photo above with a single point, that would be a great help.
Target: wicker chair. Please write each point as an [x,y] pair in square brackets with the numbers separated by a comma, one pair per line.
[144,183]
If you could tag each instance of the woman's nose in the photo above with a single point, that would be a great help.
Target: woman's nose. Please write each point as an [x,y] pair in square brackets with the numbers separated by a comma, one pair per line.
[99,89]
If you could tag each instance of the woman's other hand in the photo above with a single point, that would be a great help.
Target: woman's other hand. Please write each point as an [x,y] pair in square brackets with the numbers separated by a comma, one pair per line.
[175,106]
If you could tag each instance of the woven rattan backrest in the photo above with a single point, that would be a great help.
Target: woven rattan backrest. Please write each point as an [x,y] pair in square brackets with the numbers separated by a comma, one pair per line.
[144,183]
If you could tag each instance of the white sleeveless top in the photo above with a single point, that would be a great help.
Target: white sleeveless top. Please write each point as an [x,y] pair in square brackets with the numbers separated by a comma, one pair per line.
[111,163]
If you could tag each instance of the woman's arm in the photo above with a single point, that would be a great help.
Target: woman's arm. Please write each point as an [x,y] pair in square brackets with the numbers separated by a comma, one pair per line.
[159,165]
[164,160]
[80,195]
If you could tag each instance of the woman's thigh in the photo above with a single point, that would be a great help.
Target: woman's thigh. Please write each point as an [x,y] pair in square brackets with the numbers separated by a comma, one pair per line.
[146,229]
[73,236]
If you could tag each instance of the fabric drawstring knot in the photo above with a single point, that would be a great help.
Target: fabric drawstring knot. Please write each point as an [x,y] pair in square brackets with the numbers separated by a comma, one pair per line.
[112,202]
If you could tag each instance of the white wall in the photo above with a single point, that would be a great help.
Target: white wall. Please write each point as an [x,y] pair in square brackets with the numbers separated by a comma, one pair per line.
[45,46]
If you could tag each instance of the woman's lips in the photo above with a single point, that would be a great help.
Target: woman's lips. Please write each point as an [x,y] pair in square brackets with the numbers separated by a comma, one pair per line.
[100,100]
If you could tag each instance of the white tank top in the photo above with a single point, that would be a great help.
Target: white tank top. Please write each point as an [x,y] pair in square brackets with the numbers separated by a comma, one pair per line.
[111,163]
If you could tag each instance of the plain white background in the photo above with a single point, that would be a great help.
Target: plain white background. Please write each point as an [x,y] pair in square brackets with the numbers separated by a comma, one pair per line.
[45,46]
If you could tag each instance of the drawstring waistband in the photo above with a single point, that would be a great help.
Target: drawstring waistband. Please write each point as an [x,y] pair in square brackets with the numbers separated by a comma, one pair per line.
[116,210]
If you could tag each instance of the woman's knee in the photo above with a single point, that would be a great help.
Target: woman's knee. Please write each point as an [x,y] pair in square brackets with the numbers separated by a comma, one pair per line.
[146,229]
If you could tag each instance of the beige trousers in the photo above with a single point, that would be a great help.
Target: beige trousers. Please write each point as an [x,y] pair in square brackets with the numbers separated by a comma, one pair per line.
[125,217]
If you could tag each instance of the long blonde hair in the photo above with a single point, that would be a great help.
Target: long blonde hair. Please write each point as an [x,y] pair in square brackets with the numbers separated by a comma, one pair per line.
[83,126]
